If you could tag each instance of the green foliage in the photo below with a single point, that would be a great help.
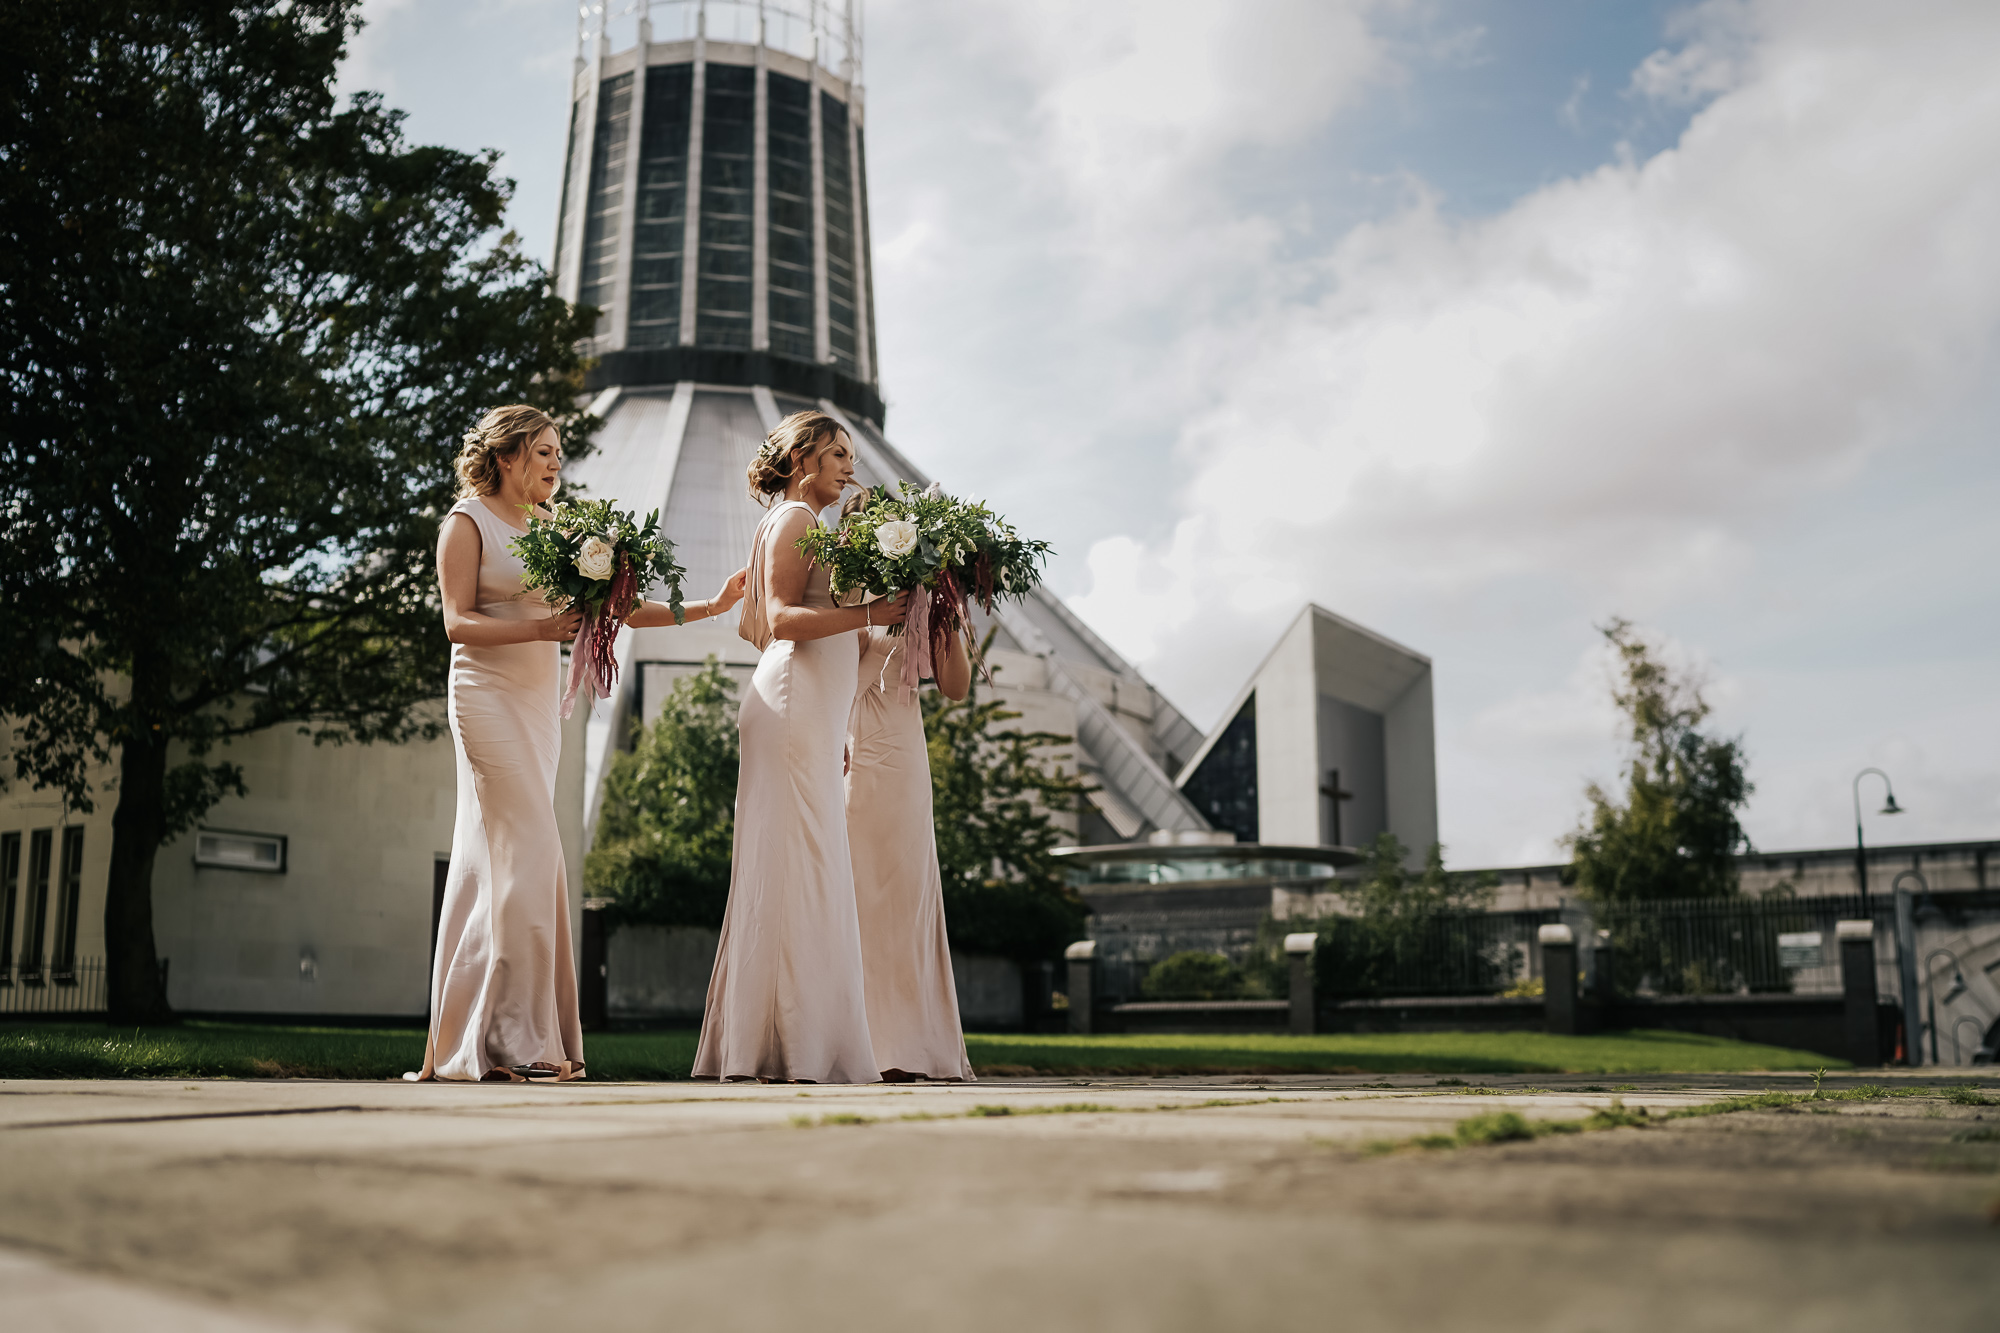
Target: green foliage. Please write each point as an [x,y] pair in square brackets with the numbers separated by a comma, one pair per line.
[1399,931]
[242,330]
[1674,833]
[1199,976]
[550,547]
[992,798]
[663,843]
[976,546]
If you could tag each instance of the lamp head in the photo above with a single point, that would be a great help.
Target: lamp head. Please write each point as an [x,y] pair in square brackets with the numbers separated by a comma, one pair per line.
[1957,987]
[1892,808]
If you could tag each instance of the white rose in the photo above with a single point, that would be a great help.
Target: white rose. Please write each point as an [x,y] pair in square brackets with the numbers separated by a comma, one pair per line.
[896,538]
[595,560]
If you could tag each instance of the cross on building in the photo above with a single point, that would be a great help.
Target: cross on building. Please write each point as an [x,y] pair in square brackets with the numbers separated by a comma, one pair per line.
[1334,795]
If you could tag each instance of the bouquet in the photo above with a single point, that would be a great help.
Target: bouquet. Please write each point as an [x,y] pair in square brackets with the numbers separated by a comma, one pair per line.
[946,552]
[587,556]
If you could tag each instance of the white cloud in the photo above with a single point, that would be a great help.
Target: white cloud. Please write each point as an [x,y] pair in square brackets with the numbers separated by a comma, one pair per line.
[1610,380]
[1607,388]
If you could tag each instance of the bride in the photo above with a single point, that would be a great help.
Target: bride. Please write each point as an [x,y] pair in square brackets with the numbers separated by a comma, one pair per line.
[786,1000]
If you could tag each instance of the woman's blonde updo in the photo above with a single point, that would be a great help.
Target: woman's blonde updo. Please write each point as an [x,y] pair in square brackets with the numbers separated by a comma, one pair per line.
[789,451]
[497,439]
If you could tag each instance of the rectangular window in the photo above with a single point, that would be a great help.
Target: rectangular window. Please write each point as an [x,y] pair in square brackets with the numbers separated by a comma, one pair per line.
[788,150]
[41,843]
[240,851]
[837,163]
[728,144]
[69,899]
[10,890]
[661,225]
[606,205]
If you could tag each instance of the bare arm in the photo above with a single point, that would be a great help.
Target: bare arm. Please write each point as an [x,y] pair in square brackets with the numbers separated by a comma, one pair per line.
[954,670]
[786,570]
[659,613]
[458,585]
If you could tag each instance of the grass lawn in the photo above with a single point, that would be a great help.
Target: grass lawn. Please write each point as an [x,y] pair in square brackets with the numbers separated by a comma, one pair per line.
[1648,1052]
[253,1050]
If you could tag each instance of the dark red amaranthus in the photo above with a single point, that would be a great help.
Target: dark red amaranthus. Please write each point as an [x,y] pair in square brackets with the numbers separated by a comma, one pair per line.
[593,658]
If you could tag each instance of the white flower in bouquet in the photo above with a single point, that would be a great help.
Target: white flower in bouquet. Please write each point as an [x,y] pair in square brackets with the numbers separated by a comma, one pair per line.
[595,559]
[896,538]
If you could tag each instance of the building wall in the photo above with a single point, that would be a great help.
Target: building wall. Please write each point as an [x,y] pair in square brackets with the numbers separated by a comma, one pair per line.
[1818,873]
[1288,777]
[345,928]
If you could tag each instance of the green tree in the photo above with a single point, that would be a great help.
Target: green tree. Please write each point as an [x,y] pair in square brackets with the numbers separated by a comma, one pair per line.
[1673,832]
[993,793]
[1398,930]
[242,328]
[663,843]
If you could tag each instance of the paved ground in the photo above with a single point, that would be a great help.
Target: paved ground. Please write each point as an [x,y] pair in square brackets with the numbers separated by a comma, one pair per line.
[299,1205]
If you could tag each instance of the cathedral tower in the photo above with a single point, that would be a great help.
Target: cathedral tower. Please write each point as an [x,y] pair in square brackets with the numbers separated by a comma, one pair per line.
[715,199]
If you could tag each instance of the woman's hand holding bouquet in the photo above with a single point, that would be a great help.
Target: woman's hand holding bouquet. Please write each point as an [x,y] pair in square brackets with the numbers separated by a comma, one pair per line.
[946,552]
[596,562]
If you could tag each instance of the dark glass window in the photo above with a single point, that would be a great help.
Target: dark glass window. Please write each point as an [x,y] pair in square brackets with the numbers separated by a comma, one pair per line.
[10,889]
[69,898]
[839,168]
[728,142]
[660,227]
[867,250]
[607,197]
[788,155]
[41,843]
[1224,786]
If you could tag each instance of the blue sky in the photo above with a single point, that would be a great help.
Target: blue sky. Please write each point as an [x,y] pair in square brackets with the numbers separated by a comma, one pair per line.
[1476,322]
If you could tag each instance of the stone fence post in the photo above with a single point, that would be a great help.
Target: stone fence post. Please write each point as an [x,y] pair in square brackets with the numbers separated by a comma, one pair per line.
[1082,960]
[1559,978]
[1299,951]
[592,976]
[1604,970]
[1857,985]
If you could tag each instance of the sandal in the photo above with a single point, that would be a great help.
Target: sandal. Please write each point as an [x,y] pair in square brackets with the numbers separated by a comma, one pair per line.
[501,1074]
[569,1071]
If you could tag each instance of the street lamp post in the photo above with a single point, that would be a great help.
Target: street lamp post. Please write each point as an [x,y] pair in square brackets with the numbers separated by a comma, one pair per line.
[1957,989]
[1860,848]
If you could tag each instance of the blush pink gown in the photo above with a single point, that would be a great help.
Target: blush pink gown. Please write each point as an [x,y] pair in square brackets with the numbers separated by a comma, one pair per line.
[503,984]
[785,1000]
[898,890]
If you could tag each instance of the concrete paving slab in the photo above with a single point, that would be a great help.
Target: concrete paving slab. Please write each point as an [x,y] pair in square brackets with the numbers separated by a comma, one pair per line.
[392,1206]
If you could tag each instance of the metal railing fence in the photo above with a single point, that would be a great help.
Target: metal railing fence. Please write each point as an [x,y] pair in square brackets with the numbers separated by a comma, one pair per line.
[72,988]
[1734,945]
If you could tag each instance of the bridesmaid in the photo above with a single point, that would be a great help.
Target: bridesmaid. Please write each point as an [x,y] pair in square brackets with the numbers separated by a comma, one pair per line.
[785,1001]
[503,984]
[899,892]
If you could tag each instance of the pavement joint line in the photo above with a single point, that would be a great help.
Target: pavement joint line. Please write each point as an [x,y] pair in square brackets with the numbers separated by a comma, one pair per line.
[190,1115]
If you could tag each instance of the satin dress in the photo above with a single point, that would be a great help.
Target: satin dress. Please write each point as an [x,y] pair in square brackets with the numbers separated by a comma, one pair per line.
[503,982]
[785,1001]
[898,889]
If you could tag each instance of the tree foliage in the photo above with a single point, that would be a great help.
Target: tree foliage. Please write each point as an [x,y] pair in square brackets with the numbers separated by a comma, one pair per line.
[1400,931]
[663,843]
[993,794]
[1673,832]
[241,328]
